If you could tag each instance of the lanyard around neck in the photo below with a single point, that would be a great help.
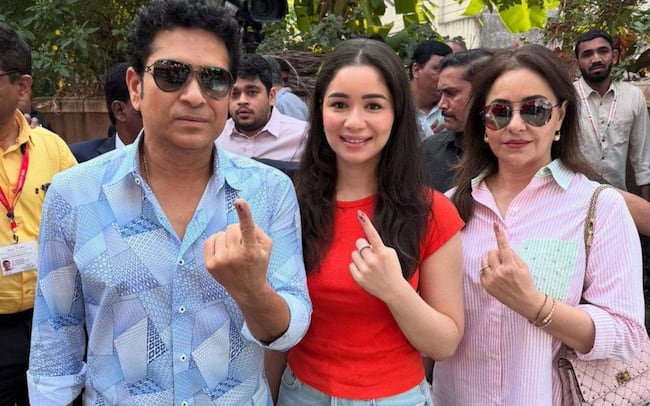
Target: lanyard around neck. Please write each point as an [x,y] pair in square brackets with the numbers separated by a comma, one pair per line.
[610,118]
[19,187]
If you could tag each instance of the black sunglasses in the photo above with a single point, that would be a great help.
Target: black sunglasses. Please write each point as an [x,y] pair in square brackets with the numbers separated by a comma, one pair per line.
[9,72]
[171,76]
[536,112]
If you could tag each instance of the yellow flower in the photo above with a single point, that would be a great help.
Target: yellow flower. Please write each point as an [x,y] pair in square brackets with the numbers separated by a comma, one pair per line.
[55,47]
[57,32]
[60,84]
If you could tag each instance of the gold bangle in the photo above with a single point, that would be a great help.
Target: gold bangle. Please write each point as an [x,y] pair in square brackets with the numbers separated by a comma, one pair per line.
[539,311]
[549,317]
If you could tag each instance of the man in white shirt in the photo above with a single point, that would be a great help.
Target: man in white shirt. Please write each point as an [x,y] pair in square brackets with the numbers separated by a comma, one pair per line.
[255,129]
[614,121]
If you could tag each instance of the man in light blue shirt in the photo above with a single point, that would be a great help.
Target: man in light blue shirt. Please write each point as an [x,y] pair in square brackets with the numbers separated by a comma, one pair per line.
[285,100]
[182,262]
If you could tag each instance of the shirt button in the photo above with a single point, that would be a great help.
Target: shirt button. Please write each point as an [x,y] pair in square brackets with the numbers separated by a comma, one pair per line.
[181,262]
[183,403]
[137,181]
[181,309]
[183,357]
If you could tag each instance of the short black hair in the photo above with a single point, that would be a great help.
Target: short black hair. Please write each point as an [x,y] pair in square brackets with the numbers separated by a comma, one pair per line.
[252,66]
[115,87]
[159,15]
[468,59]
[284,65]
[425,50]
[15,54]
[276,77]
[593,34]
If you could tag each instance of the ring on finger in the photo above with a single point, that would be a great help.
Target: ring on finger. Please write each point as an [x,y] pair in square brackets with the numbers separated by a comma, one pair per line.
[363,248]
[483,268]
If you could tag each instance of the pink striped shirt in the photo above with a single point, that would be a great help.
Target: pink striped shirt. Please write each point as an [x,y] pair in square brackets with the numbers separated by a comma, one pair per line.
[503,359]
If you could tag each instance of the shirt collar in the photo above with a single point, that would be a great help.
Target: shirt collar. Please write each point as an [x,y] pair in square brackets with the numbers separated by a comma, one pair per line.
[225,168]
[431,113]
[272,126]
[23,129]
[555,169]
[118,141]
[589,90]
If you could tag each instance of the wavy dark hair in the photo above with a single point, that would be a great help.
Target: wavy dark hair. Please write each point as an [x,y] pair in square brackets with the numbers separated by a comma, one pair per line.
[402,205]
[477,155]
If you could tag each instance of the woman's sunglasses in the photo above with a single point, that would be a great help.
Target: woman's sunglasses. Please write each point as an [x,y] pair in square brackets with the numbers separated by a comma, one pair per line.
[536,112]
[171,76]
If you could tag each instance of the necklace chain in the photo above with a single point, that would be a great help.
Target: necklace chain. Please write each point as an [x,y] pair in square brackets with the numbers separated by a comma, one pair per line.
[146,167]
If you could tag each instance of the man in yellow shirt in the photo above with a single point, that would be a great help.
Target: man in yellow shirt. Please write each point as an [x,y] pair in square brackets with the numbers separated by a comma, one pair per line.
[30,158]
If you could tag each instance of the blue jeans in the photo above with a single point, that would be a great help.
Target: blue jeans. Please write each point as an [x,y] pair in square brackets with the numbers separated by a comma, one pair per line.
[296,393]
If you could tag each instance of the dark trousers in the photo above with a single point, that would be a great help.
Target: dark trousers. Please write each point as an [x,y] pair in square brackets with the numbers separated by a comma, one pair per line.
[15,332]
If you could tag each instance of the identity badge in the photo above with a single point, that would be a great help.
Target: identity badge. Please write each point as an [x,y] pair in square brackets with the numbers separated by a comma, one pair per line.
[17,258]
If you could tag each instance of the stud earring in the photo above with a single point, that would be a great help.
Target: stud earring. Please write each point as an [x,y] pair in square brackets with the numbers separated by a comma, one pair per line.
[557,136]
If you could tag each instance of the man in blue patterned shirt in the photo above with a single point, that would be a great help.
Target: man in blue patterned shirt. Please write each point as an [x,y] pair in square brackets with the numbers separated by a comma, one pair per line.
[182,262]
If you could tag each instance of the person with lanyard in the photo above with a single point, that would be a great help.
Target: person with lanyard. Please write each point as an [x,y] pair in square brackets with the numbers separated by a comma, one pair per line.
[614,120]
[30,158]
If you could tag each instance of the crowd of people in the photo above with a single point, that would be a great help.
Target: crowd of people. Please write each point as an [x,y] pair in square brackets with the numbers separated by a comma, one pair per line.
[427,247]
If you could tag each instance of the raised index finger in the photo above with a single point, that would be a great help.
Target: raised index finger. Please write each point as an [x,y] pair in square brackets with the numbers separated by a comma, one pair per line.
[500,234]
[246,223]
[373,236]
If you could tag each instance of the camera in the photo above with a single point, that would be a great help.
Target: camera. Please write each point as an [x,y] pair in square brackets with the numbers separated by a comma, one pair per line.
[250,15]
[262,11]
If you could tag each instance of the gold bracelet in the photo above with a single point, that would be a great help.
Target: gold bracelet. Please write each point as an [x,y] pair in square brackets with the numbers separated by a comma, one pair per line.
[534,322]
[549,317]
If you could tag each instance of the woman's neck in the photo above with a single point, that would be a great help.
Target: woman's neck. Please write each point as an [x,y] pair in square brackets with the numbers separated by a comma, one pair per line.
[355,182]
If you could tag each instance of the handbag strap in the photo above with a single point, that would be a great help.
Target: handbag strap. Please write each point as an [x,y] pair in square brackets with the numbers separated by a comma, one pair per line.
[591,219]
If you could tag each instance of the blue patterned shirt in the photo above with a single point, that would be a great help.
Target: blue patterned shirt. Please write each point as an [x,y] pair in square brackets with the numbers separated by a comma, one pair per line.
[161,330]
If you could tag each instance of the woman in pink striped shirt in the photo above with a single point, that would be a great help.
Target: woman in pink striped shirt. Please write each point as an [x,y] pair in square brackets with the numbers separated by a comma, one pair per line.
[524,197]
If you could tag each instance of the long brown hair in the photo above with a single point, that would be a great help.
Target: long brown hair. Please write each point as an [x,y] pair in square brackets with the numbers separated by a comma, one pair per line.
[402,206]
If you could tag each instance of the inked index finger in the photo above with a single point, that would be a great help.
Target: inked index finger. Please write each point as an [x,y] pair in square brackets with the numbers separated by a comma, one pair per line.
[246,223]
[502,240]
[371,233]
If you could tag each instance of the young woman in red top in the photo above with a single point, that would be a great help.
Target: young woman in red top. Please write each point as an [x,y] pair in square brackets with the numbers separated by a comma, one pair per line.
[382,253]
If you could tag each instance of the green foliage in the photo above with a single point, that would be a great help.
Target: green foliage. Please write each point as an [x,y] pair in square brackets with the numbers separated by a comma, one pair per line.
[405,41]
[72,41]
[318,26]
[518,16]
[318,38]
